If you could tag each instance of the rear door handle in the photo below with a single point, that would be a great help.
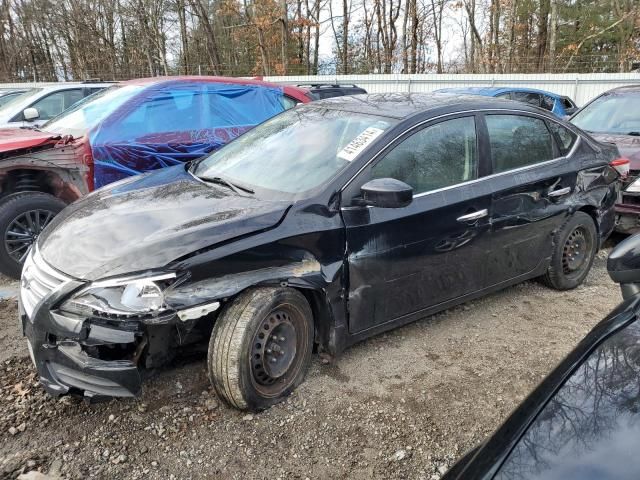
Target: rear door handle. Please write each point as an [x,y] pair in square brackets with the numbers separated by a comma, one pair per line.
[470,217]
[559,192]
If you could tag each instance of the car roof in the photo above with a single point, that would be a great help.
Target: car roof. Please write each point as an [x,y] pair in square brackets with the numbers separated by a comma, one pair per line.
[69,85]
[626,88]
[405,105]
[492,91]
[212,79]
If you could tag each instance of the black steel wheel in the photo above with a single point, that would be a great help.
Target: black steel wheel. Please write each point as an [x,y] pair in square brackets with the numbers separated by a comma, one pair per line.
[575,253]
[23,217]
[575,247]
[260,347]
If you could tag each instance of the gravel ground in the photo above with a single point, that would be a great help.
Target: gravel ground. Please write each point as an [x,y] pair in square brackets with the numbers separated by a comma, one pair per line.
[402,405]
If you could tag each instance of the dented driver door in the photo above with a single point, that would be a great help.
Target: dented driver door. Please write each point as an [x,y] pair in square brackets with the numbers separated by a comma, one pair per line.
[402,261]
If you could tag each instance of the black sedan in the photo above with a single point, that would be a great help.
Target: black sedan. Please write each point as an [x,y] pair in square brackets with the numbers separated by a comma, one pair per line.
[325,225]
[583,421]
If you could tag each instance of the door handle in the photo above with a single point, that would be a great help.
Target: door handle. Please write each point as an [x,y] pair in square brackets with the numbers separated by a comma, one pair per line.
[470,217]
[559,192]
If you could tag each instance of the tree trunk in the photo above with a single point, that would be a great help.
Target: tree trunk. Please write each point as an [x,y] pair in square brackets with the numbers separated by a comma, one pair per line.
[543,22]
[553,34]
[345,36]
[212,43]
[284,37]
[184,39]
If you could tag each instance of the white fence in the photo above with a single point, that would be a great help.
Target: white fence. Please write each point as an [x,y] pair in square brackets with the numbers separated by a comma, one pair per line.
[580,87]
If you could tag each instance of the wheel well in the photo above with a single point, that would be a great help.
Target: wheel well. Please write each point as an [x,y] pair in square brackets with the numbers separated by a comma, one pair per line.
[593,213]
[321,314]
[33,180]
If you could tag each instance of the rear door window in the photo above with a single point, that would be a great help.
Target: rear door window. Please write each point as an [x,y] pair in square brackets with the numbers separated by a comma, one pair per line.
[518,141]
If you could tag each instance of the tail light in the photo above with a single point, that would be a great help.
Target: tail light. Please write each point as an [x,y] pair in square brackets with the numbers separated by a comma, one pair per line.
[622,166]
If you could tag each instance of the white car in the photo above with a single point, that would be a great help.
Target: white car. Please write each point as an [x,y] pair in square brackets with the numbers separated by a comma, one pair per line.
[37,105]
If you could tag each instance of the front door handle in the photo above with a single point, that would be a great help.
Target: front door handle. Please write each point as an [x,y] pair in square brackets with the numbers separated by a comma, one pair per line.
[559,192]
[473,216]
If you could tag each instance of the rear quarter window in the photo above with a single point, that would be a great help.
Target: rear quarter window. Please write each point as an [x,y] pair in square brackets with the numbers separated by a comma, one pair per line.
[565,138]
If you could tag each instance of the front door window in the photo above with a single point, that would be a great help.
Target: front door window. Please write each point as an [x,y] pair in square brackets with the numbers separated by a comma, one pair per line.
[435,157]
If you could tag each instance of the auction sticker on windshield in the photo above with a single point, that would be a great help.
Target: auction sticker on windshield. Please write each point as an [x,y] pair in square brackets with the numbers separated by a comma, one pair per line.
[358,144]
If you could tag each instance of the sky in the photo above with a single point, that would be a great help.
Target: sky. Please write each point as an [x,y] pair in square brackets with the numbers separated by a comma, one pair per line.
[453,42]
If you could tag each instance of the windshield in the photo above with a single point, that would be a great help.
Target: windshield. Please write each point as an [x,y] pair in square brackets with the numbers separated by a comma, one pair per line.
[615,113]
[7,97]
[295,151]
[17,99]
[87,113]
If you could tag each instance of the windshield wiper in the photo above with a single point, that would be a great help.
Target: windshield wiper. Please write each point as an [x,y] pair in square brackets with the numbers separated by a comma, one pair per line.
[223,181]
[635,134]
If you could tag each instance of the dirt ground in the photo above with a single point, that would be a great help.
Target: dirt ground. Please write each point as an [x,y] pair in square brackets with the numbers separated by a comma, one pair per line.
[402,405]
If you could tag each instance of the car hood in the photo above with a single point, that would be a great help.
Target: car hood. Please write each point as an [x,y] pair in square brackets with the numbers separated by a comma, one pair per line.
[19,138]
[628,145]
[145,222]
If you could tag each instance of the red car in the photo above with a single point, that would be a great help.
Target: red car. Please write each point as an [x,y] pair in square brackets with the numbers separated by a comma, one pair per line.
[614,117]
[130,128]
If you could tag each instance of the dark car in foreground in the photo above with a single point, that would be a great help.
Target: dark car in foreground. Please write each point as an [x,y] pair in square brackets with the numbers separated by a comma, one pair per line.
[583,420]
[329,223]
[614,117]
[560,105]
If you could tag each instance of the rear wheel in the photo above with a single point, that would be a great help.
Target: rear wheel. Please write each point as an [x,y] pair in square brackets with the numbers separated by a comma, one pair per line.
[260,347]
[575,248]
[23,216]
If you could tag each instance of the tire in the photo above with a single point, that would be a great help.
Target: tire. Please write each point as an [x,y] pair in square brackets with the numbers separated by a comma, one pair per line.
[575,247]
[15,210]
[249,369]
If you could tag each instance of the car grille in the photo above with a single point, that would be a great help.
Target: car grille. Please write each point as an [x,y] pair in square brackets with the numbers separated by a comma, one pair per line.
[38,281]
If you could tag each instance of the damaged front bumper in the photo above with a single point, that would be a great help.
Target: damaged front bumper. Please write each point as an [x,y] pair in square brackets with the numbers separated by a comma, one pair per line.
[94,356]
[64,357]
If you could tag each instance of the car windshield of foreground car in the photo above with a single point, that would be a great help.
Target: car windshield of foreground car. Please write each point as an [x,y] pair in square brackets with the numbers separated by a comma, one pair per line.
[16,99]
[295,151]
[615,113]
[87,113]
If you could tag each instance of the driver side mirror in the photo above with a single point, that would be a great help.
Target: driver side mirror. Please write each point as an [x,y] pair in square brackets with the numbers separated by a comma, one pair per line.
[623,266]
[30,114]
[386,193]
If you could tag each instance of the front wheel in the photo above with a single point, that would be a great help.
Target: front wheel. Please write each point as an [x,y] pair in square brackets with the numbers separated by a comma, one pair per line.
[260,347]
[575,247]
[23,216]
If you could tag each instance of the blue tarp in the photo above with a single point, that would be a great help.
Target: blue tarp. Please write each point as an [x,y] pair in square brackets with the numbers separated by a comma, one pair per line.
[175,122]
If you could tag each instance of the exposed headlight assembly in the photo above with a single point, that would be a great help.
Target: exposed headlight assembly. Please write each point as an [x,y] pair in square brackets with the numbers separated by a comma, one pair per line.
[121,298]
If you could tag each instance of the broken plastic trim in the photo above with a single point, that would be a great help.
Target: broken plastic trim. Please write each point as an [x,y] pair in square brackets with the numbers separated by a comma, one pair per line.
[197,312]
